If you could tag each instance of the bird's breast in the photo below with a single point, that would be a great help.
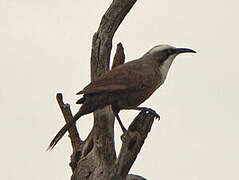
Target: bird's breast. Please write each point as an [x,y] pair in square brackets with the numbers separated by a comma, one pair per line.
[164,68]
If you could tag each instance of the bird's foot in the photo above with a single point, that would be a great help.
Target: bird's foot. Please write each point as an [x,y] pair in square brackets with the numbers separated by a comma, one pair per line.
[145,109]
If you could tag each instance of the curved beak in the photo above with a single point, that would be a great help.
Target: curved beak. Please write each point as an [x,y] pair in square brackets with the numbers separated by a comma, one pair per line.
[184,50]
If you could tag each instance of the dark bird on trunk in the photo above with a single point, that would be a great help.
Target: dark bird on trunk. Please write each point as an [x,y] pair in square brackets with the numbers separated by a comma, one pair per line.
[126,86]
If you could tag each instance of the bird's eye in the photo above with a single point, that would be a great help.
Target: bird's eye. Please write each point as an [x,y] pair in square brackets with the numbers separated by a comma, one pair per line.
[170,51]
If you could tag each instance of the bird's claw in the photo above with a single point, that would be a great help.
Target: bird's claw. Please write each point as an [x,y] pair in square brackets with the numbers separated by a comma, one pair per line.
[152,112]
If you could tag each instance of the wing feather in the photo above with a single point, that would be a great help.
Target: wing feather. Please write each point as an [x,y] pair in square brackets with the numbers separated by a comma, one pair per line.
[125,77]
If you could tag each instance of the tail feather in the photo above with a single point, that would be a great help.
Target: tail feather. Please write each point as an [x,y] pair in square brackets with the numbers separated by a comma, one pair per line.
[63,130]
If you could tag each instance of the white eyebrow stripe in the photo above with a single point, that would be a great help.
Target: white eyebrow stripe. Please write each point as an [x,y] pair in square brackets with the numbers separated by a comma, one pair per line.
[159,48]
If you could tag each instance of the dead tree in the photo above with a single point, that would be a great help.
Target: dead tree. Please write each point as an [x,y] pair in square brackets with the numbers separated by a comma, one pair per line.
[95,158]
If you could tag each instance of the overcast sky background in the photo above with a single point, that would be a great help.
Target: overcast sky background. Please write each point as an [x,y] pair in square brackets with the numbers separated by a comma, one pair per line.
[45,48]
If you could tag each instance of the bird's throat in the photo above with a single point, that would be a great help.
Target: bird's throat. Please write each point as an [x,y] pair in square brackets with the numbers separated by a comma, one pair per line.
[164,67]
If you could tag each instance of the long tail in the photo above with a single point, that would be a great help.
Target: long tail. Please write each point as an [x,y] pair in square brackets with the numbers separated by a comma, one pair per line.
[63,130]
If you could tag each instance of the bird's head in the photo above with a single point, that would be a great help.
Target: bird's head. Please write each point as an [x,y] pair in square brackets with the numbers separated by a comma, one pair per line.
[164,55]
[167,53]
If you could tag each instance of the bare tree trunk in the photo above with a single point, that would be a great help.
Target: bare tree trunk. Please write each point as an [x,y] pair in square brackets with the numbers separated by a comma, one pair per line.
[95,157]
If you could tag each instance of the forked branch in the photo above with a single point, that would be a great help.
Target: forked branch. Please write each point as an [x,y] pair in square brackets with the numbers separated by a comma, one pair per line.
[95,157]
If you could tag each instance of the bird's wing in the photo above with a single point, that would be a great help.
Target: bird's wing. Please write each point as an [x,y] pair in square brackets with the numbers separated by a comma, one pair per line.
[125,77]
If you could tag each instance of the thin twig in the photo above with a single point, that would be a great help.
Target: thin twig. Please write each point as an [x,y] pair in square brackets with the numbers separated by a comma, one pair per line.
[119,57]
[73,133]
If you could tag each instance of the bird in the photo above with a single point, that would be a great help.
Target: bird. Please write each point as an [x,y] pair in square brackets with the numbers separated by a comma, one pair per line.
[126,86]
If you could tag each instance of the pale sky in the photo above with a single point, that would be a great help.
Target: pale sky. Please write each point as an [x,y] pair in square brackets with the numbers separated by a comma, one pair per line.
[45,48]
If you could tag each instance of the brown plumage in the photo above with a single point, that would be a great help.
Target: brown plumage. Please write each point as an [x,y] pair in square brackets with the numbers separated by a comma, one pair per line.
[126,86]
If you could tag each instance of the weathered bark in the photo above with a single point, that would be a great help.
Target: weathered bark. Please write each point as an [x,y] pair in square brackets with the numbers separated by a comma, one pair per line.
[95,157]
[119,57]
[86,162]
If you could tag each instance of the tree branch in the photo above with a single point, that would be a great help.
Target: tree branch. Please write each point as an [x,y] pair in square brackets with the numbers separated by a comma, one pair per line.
[95,158]
[134,177]
[119,57]
[73,133]
[100,60]
[102,40]
[76,141]
[133,141]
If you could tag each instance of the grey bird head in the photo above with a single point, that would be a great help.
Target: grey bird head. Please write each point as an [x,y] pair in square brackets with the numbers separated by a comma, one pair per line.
[165,52]
[164,55]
